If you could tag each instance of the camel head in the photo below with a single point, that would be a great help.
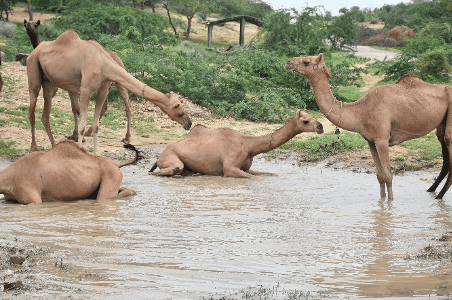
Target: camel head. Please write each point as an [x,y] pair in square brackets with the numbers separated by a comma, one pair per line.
[309,66]
[176,112]
[32,27]
[306,123]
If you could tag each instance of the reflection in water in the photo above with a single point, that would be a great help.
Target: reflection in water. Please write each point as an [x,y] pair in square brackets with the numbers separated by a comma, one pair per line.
[311,229]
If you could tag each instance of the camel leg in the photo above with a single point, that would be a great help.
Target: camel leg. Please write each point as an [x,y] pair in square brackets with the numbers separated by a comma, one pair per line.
[31,117]
[27,195]
[232,171]
[49,90]
[109,185]
[128,109]
[103,110]
[382,147]
[100,100]
[34,87]
[447,142]
[75,106]
[373,151]
[380,155]
[440,133]
[176,167]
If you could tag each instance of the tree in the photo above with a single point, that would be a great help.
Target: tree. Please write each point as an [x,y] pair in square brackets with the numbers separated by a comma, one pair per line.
[6,6]
[343,30]
[189,8]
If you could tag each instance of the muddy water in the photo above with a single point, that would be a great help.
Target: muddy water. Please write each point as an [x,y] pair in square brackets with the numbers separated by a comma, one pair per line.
[311,229]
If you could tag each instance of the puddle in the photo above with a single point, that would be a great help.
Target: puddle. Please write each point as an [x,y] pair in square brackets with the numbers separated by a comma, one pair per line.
[317,230]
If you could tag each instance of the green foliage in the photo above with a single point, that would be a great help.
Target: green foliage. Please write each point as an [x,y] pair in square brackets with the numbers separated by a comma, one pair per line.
[429,55]
[295,33]
[102,19]
[343,30]
[416,14]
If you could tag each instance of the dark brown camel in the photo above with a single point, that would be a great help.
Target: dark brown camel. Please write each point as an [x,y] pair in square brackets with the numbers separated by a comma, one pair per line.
[386,115]
[63,173]
[225,151]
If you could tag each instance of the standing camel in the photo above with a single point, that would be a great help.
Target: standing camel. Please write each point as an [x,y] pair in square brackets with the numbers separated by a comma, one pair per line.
[386,115]
[224,151]
[32,30]
[81,68]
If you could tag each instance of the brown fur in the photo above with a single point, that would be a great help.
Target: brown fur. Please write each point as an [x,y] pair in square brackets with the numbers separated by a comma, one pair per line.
[65,172]
[225,151]
[386,115]
[81,68]
[33,32]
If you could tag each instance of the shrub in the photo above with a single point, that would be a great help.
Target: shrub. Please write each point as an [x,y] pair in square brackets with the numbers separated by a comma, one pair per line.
[7,29]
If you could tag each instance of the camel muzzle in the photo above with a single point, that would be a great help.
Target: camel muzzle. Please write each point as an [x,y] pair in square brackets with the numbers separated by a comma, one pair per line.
[289,67]
[319,128]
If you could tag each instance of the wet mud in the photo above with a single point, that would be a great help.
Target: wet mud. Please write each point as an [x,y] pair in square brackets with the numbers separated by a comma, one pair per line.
[316,230]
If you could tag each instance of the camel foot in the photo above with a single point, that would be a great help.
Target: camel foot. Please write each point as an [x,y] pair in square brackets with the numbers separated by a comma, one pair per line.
[126,192]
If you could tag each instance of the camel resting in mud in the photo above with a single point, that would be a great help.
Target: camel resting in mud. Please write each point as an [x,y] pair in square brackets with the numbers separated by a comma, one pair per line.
[224,151]
[65,172]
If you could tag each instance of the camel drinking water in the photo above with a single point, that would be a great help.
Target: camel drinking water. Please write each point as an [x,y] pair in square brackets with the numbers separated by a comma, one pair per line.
[81,68]
[65,172]
[386,115]
[227,152]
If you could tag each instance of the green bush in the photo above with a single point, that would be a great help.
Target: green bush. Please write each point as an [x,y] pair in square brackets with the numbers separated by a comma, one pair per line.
[428,55]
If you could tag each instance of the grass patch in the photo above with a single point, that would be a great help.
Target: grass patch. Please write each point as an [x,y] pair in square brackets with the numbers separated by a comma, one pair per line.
[7,149]
[143,126]
[427,147]
[326,145]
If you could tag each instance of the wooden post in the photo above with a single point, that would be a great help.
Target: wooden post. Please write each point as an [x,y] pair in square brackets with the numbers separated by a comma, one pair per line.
[209,35]
[242,32]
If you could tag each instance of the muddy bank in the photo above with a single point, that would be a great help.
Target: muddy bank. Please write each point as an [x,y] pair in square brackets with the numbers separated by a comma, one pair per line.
[313,230]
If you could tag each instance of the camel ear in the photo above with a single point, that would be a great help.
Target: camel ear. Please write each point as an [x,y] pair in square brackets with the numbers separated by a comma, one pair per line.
[320,58]
[38,23]
[25,23]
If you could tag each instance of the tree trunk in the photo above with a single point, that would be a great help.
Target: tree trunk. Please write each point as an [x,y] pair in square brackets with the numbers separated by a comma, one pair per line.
[189,18]
[30,13]
[169,17]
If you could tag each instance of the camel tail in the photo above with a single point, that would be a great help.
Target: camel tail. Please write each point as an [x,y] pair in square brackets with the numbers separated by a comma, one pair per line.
[137,156]
[153,167]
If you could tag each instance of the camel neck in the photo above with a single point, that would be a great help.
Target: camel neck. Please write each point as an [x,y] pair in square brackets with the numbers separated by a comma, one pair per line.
[34,39]
[268,142]
[337,112]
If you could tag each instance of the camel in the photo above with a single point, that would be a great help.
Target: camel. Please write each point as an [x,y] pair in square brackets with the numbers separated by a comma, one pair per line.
[81,68]
[227,152]
[33,32]
[65,172]
[386,115]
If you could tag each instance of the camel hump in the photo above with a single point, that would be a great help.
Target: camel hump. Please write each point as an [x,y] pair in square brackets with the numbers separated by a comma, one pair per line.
[410,80]
[67,37]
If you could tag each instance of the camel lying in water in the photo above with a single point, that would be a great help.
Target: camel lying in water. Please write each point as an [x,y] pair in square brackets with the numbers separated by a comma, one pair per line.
[225,151]
[65,172]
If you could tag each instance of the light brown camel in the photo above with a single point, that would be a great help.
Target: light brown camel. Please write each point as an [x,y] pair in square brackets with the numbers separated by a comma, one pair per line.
[224,151]
[65,172]
[386,115]
[81,68]
[32,30]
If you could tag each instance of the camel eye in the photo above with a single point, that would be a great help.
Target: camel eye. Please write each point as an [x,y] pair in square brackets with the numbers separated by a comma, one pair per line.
[306,63]
[177,106]
[305,122]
